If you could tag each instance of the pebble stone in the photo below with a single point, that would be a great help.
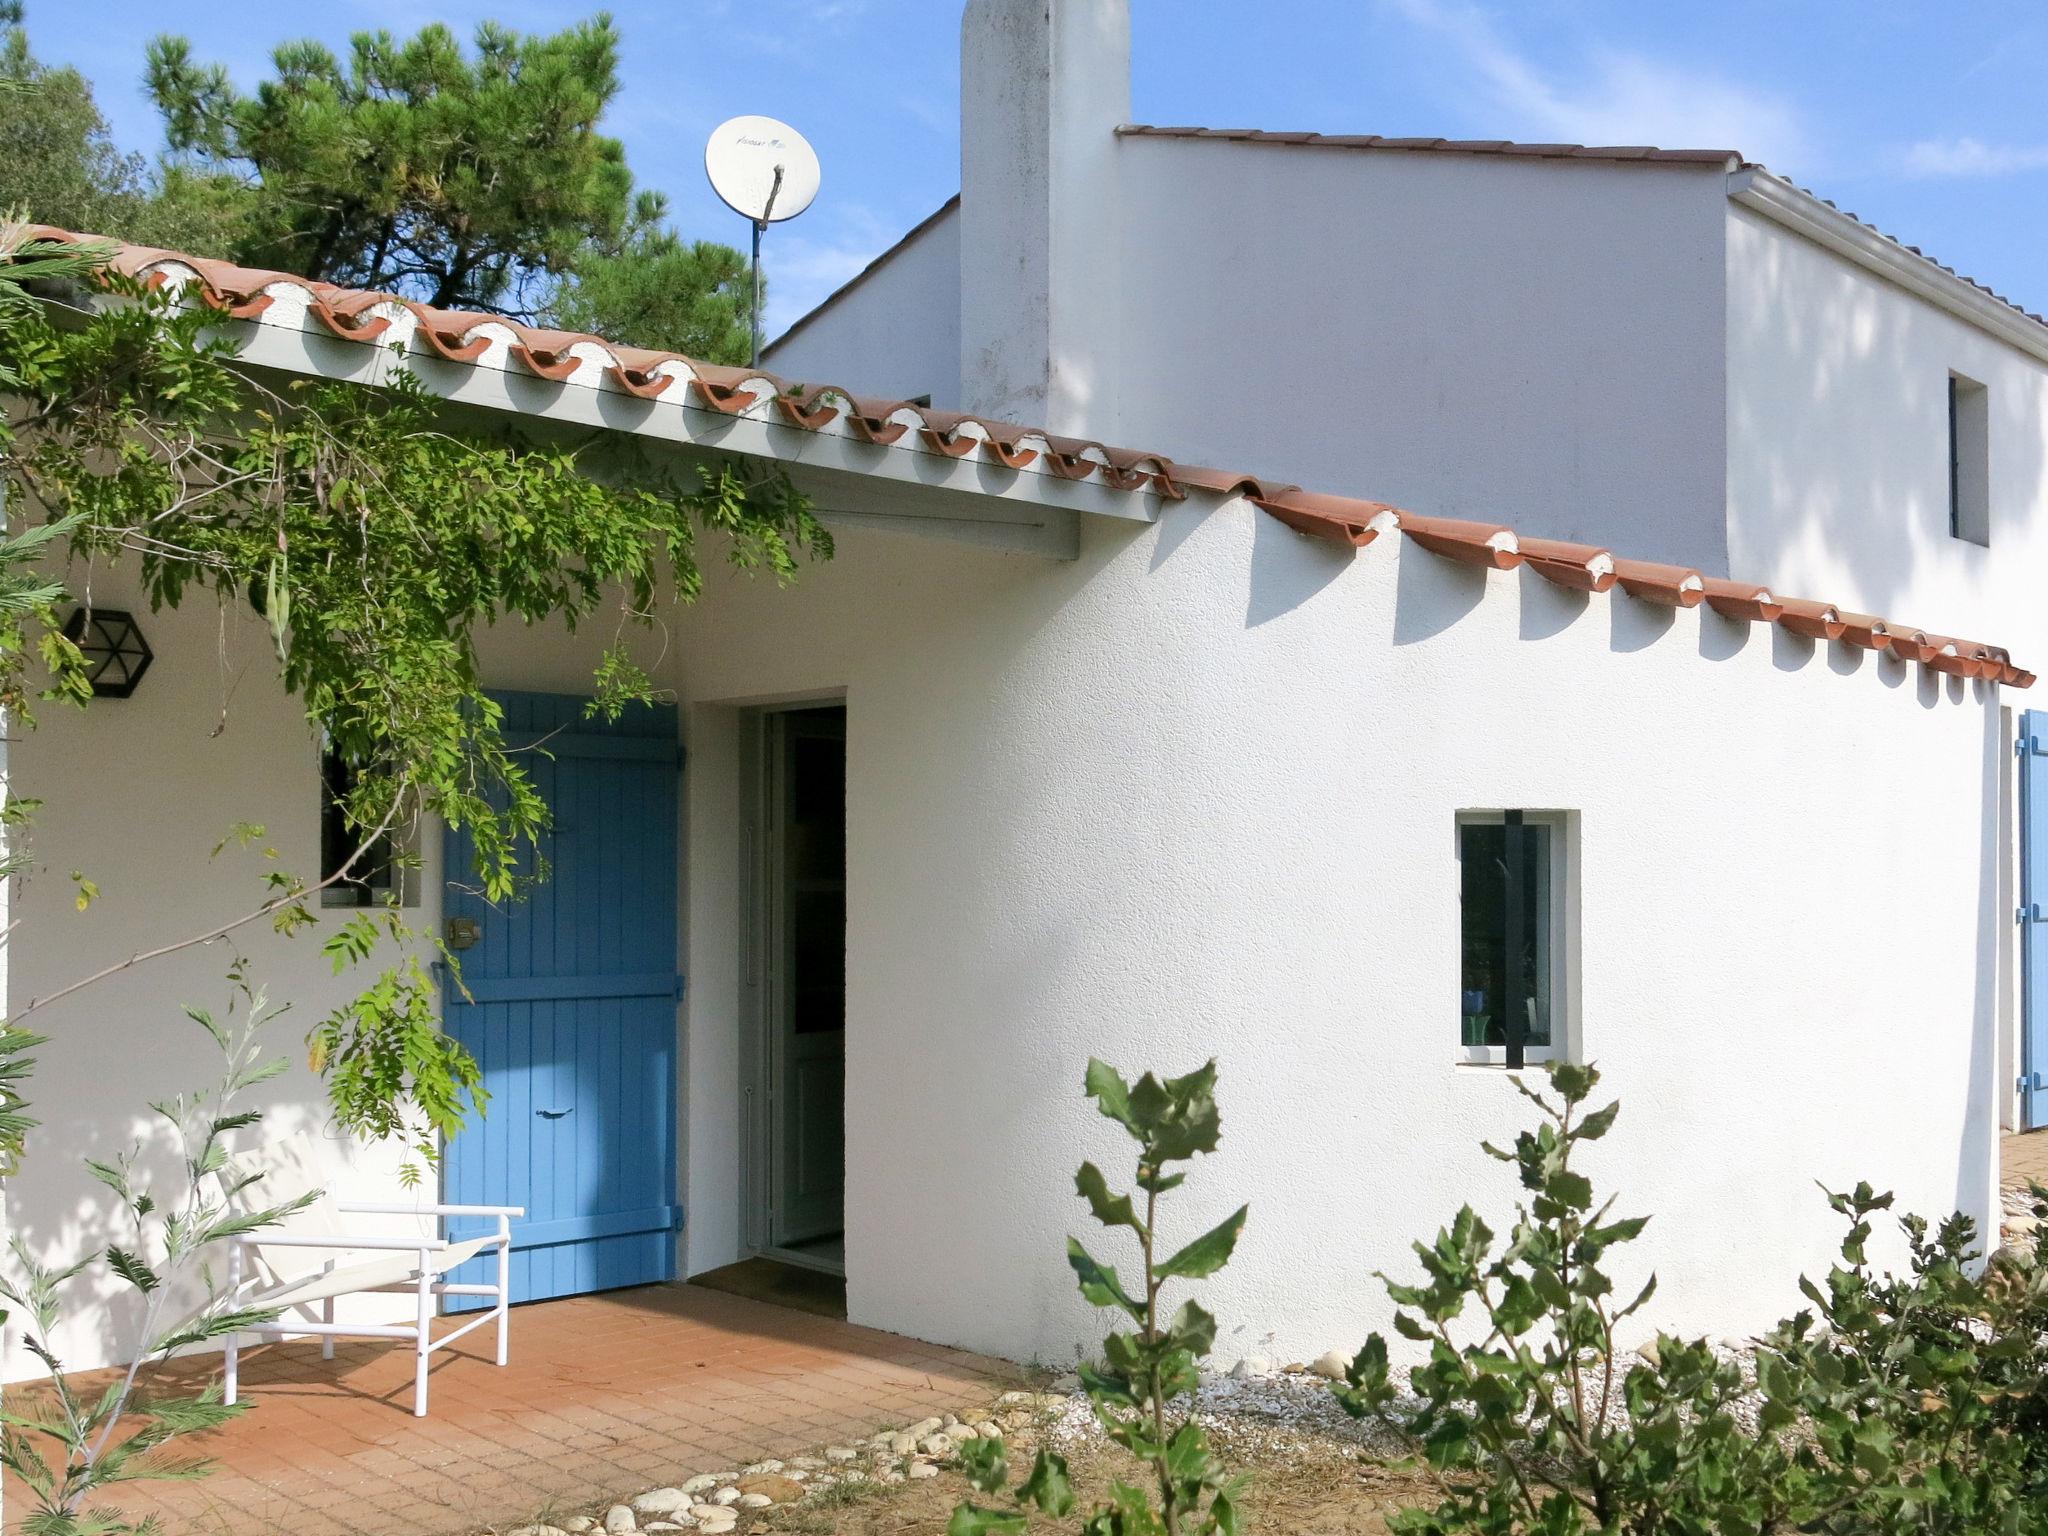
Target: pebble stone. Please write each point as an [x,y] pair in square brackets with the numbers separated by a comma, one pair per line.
[841,1453]
[699,1484]
[661,1501]
[1330,1367]
[754,1501]
[935,1445]
[576,1525]
[711,1512]
[902,1444]
[538,1530]
[760,1467]
[921,1469]
[619,1519]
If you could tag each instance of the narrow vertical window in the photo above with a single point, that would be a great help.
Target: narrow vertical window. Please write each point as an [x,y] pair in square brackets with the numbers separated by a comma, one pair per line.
[1511,872]
[1969,460]
[368,881]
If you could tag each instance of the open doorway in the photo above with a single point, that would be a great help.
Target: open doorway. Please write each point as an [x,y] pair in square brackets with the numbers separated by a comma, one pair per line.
[797,1173]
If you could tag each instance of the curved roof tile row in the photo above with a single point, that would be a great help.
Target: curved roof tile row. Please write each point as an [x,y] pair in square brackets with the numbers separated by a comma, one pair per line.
[462,336]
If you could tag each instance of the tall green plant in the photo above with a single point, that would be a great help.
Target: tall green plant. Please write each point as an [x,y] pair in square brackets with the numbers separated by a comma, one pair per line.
[74,1445]
[1148,1367]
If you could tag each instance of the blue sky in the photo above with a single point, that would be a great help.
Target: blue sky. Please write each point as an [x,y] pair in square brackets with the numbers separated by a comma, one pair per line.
[1925,118]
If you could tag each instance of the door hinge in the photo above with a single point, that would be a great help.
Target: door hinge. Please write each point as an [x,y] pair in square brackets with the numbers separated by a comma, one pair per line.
[2030,913]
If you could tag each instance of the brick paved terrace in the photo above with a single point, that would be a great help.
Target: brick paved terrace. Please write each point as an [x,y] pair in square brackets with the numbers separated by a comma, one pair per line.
[2021,1157]
[606,1395]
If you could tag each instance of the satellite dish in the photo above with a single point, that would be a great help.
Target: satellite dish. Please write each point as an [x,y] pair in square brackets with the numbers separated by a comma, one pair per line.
[763,169]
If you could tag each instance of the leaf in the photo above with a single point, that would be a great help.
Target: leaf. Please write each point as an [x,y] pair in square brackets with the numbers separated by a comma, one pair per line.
[133,1270]
[985,1464]
[1049,1486]
[974,1520]
[1111,1094]
[1099,1283]
[1193,1329]
[1209,1252]
[1112,1210]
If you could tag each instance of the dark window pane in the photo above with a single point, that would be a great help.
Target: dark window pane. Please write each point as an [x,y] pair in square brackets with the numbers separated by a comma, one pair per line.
[1483,936]
[370,877]
[816,870]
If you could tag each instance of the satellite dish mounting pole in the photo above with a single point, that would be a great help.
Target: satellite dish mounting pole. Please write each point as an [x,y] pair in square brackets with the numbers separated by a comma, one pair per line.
[760,224]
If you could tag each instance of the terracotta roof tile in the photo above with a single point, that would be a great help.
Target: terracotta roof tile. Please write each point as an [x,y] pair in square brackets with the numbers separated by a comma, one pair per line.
[1626,152]
[460,336]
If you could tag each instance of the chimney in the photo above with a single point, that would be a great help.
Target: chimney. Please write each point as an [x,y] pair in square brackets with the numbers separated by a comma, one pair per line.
[1043,86]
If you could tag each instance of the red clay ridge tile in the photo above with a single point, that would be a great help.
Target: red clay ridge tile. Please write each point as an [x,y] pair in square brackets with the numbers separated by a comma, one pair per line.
[1583,567]
[1675,586]
[1816,621]
[1740,599]
[1454,538]
[1341,519]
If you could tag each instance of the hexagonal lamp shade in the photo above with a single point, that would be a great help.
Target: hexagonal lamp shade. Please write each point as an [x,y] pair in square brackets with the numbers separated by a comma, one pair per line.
[116,655]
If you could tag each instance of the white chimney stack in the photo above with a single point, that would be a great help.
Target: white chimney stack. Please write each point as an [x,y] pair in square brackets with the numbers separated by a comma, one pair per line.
[1043,86]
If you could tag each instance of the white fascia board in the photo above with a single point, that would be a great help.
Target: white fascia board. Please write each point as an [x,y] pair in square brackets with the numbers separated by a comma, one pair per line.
[1804,214]
[902,485]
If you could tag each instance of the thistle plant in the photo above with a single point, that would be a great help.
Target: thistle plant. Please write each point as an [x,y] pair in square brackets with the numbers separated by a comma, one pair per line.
[1147,1369]
[69,1446]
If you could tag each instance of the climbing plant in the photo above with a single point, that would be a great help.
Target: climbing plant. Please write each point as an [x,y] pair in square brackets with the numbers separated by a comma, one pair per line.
[376,541]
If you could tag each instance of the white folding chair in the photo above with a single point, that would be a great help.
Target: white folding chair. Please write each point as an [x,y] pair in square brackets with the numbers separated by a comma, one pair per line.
[266,1270]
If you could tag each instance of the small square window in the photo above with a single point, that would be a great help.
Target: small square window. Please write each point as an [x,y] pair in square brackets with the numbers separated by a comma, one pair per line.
[376,874]
[1969,460]
[1512,894]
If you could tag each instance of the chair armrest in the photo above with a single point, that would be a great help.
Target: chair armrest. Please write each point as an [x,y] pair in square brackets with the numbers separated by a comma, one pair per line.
[358,1208]
[338,1240]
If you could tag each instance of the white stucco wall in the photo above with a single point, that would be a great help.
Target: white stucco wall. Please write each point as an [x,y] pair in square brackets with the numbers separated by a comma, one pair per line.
[895,332]
[1194,794]
[1838,445]
[1529,342]
[1838,462]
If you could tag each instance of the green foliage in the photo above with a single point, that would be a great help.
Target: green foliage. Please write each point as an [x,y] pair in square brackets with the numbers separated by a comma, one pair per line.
[60,165]
[652,288]
[68,1450]
[376,542]
[410,166]
[1144,1369]
[1903,1403]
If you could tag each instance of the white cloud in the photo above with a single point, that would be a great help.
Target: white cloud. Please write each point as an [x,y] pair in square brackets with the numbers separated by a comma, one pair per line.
[1973,157]
[1619,97]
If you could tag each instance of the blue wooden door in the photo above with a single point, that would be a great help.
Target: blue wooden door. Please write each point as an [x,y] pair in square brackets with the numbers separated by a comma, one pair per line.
[2033,751]
[572,1012]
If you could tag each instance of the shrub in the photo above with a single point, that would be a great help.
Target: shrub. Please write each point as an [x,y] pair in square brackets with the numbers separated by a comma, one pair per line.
[1144,1369]
[1909,1402]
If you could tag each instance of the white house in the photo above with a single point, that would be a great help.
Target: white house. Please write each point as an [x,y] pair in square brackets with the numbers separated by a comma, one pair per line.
[1089,751]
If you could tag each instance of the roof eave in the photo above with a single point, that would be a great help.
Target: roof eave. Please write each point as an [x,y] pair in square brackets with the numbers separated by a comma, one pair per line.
[1801,212]
[903,484]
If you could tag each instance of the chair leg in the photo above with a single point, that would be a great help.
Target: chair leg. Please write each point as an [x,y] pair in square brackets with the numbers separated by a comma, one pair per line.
[504,1291]
[327,1317]
[234,1347]
[424,1341]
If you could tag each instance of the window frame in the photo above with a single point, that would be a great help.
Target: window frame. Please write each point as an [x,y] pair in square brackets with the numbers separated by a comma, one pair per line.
[1969,460]
[1557,994]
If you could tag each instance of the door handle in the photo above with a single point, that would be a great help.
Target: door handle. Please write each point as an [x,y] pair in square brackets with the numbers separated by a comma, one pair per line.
[555,1114]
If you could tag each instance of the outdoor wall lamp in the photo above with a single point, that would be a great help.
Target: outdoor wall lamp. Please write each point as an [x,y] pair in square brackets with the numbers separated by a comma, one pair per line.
[116,655]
